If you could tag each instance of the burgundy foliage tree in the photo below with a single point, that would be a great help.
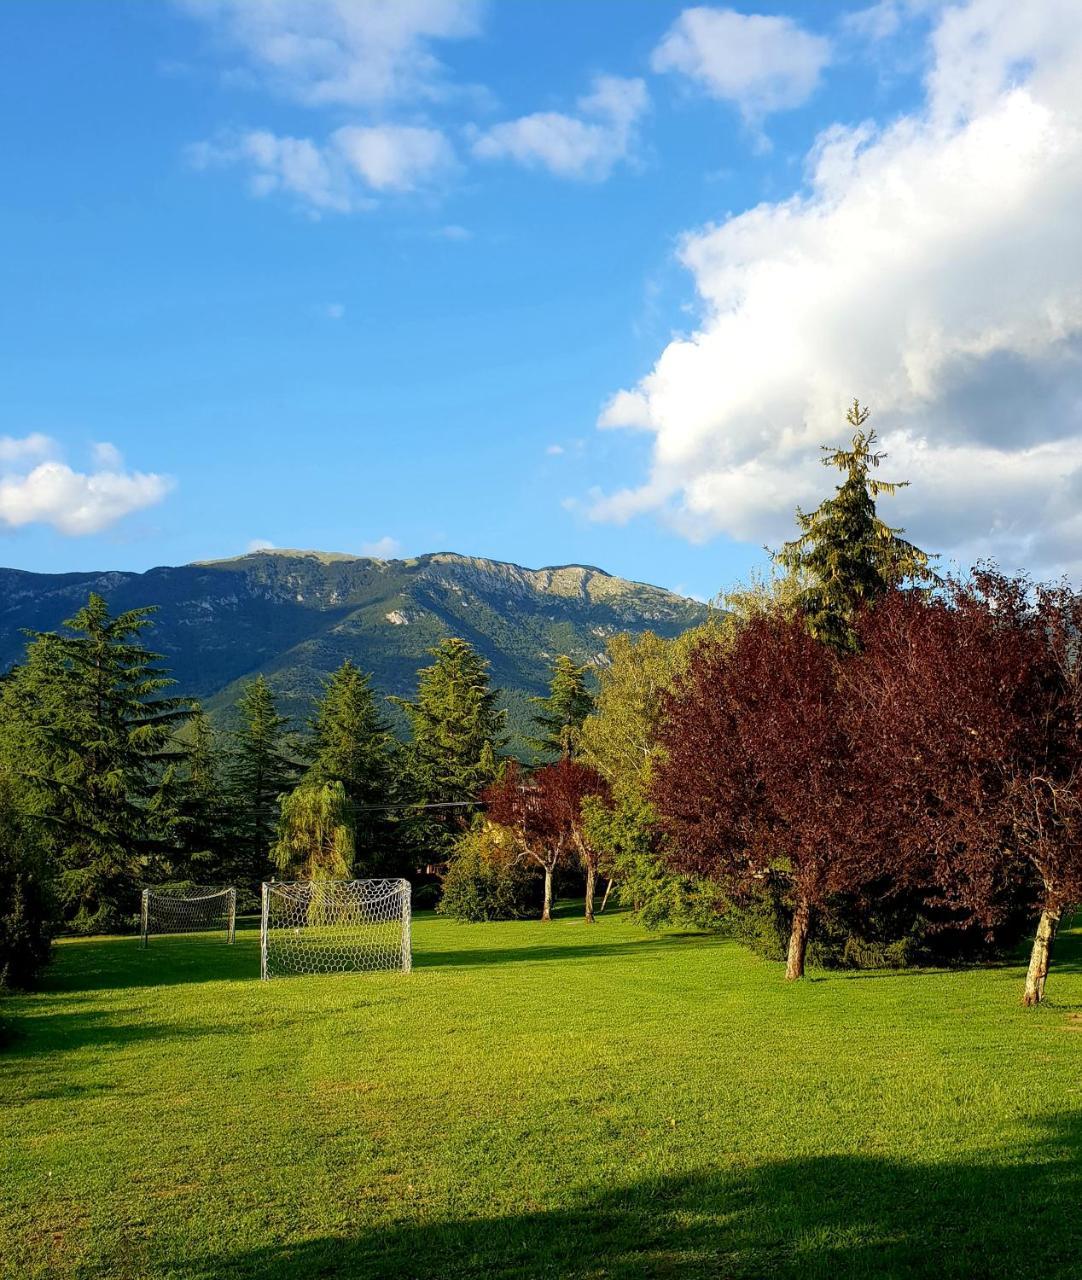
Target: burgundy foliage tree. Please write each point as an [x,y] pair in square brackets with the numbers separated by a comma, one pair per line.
[966,712]
[544,809]
[756,787]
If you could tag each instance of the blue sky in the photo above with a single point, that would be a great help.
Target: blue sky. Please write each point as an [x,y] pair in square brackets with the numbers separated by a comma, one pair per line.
[362,277]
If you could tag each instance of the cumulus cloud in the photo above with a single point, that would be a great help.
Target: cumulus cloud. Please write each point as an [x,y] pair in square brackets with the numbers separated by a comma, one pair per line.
[585,146]
[22,448]
[72,502]
[341,52]
[341,175]
[931,267]
[259,544]
[760,63]
[385,548]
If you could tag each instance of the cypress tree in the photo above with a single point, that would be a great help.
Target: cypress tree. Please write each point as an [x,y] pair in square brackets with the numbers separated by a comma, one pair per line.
[846,555]
[561,714]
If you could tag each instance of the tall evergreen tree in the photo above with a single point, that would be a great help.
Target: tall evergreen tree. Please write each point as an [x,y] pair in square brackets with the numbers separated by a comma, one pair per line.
[315,833]
[259,771]
[457,734]
[90,734]
[848,556]
[561,714]
[195,807]
[351,743]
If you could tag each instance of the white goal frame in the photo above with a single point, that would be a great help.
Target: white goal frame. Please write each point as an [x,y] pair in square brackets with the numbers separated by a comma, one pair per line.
[186,911]
[334,926]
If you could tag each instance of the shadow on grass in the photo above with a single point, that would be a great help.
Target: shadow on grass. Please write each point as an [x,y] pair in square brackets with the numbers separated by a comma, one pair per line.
[47,1033]
[542,951]
[828,1217]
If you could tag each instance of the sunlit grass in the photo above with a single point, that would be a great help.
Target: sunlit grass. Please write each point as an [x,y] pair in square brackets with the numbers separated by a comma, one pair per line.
[537,1101]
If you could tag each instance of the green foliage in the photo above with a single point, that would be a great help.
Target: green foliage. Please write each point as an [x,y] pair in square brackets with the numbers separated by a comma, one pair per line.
[562,712]
[457,733]
[845,555]
[26,895]
[630,846]
[87,733]
[194,807]
[351,744]
[485,878]
[259,770]
[315,833]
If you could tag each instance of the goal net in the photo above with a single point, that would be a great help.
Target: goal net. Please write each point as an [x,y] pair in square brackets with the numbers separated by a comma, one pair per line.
[335,926]
[188,909]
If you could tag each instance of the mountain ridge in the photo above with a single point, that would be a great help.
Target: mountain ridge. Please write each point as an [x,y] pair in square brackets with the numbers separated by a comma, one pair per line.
[295,615]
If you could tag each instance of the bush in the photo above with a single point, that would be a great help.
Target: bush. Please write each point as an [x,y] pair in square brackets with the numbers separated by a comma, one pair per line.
[426,896]
[484,878]
[26,902]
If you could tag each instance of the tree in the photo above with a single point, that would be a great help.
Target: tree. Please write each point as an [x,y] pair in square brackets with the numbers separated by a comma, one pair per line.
[846,554]
[315,833]
[562,712]
[456,735]
[486,878]
[258,771]
[970,707]
[26,893]
[87,730]
[351,743]
[545,810]
[754,789]
[194,806]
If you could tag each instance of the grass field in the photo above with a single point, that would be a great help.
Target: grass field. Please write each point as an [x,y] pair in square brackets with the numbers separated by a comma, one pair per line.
[537,1101]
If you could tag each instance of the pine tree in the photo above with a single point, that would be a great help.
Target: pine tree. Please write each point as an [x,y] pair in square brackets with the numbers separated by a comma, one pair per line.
[195,806]
[561,714]
[259,772]
[457,734]
[90,736]
[351,743]
[848,556]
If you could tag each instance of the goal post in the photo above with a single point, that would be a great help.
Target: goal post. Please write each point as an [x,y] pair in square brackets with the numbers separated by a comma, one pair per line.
[335,926]
[188,909]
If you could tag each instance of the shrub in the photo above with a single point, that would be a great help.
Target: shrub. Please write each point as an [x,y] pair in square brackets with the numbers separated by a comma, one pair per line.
[26,902]
[485,879]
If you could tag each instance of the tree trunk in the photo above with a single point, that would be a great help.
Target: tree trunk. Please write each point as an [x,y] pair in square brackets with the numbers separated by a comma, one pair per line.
[546,913]
[1040,957]
[798,941]
[591,876]
[605,899]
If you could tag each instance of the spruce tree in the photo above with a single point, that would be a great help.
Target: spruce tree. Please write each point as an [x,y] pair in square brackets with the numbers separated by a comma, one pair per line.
[351,743]
[259,771]
[196,807]
[457,734]
[562,712]
[89,734]
[845,553]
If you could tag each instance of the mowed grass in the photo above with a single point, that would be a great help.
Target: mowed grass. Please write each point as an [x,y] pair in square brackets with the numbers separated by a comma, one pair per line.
[538,1100]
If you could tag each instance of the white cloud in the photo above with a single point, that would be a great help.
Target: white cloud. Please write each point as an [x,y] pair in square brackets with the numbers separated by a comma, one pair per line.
[26,448]
[74,502]
[385,548]
[341,175]
[342,52]
[932,267]
[259,544]
[585,146]
[393,157]
[554,450]
[760,63]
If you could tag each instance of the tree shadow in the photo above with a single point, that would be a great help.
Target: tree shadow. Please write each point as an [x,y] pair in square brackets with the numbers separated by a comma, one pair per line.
[542,951]
[827,1217]
[107,964]
[35,1034]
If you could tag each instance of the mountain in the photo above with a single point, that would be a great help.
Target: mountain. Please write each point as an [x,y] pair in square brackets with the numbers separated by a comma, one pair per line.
[295,615]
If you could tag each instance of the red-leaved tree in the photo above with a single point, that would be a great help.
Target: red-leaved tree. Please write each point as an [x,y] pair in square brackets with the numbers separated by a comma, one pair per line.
[755,787]
[966,713]
[544,809]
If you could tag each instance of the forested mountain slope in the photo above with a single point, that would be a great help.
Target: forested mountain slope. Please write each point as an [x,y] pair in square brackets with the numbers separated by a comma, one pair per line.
[295,615]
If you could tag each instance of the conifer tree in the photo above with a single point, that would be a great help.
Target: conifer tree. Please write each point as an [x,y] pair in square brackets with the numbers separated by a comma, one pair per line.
[848,556]
[195,806]
[560,716]
[89,734]
[259,771]
[315,833]
[351,743]
[457,733]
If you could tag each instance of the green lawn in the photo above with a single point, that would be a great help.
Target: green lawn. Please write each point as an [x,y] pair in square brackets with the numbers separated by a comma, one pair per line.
[537,1100]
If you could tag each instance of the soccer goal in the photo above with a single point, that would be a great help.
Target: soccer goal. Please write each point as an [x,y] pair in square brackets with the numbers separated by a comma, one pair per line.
[335,926]
[191,909]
